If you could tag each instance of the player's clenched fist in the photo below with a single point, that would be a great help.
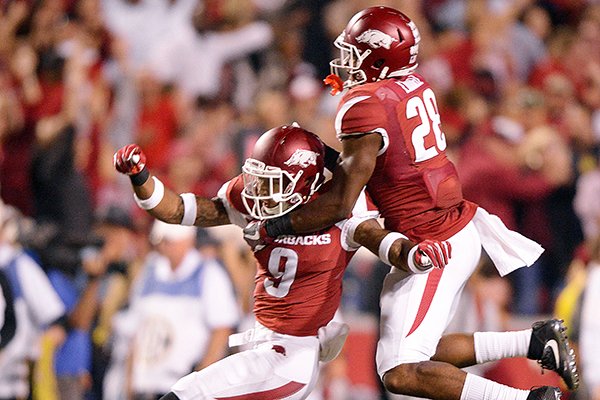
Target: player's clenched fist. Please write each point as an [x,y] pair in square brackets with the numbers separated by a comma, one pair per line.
[129,159]
[432,254]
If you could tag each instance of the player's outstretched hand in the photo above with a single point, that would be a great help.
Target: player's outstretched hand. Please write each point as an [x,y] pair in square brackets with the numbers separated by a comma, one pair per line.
[432,254]
[129,159]
[256,236]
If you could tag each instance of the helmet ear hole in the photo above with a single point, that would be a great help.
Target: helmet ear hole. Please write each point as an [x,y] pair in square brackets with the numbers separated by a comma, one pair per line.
[379,63]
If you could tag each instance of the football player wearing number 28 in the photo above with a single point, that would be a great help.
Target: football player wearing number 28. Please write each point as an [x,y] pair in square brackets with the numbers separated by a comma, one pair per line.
[392,142]
[299,278]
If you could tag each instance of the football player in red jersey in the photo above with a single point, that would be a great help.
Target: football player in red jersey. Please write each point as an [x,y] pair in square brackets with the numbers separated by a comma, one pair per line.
[298,282]
[390,128]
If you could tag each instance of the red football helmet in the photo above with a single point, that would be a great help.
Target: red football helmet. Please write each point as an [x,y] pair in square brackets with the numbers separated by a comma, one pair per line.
[284,171]
[378,43]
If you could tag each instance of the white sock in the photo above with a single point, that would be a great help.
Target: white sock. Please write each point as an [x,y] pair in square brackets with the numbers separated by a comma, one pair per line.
[492,346]
[478,388]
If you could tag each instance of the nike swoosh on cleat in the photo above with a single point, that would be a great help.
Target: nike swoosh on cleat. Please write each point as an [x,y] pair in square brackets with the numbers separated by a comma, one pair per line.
[553,344]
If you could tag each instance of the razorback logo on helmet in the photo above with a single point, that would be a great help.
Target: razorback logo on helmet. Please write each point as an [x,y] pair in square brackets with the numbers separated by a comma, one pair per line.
[303,158]
[376,39]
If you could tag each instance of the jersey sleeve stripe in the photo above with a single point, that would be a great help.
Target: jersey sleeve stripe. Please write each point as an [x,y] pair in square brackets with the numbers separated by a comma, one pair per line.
[386,140]
[343,110]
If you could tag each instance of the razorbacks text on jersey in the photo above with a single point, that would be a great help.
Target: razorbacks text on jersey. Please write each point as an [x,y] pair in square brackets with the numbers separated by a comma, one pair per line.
[414,185]
[299,278]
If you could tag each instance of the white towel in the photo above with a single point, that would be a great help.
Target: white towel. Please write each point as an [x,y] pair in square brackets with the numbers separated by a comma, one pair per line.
[509,250]
[331,340]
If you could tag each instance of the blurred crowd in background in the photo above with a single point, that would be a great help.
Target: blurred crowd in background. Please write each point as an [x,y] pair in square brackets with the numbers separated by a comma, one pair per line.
[195,82]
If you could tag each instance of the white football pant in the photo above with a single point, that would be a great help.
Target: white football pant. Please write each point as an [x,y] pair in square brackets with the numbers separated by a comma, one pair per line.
[417,308]
[284,367]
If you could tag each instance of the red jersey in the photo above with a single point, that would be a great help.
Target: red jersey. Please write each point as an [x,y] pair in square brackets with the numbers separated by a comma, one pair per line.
[414,185]
[299,278]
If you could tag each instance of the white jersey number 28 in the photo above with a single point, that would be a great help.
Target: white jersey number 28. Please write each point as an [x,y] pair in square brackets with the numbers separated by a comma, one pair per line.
[283,264]
[425,108]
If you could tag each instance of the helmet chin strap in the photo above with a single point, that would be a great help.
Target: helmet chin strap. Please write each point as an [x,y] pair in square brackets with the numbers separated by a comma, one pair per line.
[383,73]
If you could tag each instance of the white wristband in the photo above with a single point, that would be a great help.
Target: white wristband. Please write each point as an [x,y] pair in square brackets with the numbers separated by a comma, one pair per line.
[411,263]
[190,209]
[348,229]
[154,199]
[386,245]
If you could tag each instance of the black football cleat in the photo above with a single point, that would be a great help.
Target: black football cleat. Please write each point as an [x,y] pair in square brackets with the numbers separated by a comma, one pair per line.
[550,347]
[545,393]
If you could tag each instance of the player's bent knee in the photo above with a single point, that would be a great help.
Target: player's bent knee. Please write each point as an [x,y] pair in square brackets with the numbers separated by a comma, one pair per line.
[397,379]
[170,396]
[407,379]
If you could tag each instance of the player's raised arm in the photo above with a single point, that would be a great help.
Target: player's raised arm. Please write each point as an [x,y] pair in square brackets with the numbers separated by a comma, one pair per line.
[395,249]
[161,202]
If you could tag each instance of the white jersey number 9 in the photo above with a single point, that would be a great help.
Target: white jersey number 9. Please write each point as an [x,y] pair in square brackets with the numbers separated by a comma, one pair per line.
[283,264]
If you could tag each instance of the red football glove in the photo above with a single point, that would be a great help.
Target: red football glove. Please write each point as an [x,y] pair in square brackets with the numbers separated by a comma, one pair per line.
[256,236]
[129,159]
[432,254]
